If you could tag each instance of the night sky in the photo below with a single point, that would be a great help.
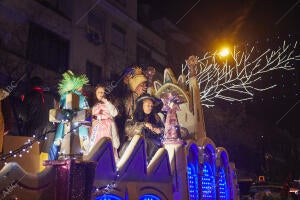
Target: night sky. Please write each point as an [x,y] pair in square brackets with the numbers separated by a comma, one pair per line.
[235,20]
[241,22]
[263,24]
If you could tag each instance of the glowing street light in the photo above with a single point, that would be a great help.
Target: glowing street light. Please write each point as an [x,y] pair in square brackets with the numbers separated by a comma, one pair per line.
[224,52]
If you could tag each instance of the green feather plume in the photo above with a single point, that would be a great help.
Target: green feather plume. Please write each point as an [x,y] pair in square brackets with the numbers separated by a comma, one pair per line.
[71,82]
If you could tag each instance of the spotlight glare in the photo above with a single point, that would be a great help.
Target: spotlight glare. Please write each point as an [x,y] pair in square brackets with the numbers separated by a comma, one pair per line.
[224,52]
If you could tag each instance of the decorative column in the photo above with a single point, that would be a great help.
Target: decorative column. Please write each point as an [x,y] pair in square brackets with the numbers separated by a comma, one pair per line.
[178,165]
[74,178]
[195,100]
[174,144]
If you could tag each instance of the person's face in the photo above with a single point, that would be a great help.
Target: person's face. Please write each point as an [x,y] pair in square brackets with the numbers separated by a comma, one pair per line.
[147,106]
[100,93]
[79,89]
[141,89]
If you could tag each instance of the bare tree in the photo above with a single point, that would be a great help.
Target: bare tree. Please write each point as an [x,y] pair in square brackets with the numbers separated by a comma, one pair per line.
[233,79]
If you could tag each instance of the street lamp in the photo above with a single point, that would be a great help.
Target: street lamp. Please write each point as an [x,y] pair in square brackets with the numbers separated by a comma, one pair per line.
[224,52]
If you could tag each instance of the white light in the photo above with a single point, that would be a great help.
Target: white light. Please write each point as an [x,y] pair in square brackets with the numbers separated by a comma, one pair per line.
[224,52]
[236,81]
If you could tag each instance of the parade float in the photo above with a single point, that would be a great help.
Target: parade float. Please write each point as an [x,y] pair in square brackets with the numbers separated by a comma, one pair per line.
[189,166]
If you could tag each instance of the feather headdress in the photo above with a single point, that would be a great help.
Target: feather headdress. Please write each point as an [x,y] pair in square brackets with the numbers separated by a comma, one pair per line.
[71,82]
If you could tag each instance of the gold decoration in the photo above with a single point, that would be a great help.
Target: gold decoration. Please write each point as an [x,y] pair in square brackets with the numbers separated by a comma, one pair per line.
[192,60]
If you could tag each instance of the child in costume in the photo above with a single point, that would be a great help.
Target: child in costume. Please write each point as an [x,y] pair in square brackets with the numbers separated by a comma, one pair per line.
[103,124]
[70,84]
[147,123]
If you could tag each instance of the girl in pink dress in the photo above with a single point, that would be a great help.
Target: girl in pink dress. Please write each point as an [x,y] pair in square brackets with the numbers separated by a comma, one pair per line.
[103,124]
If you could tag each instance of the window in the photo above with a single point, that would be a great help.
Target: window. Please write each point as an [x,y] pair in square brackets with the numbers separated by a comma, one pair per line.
[208,183]
[94,73]
[143,55]
[121,2]
[193,182]
[62,7]
[95,31]
[47,49]
[193,173]
[118,36]
[108,197]
[222,184]
[149,197]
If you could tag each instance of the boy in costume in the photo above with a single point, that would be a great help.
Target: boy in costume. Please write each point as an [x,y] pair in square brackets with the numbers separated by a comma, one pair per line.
[68,130]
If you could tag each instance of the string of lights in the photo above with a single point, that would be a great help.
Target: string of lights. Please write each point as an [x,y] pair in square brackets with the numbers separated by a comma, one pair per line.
[28,145]
[24,148]
[97,191]
[235,79]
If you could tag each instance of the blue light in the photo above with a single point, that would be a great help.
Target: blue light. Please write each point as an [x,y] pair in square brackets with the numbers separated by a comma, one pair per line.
[223,189]
[208,183]
[193,182]
[149,197]
[108,197]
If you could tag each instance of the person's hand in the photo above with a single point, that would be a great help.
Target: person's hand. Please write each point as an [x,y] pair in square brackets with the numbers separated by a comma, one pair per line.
[148,125]
[104,100]
[153,129]
[156,130]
